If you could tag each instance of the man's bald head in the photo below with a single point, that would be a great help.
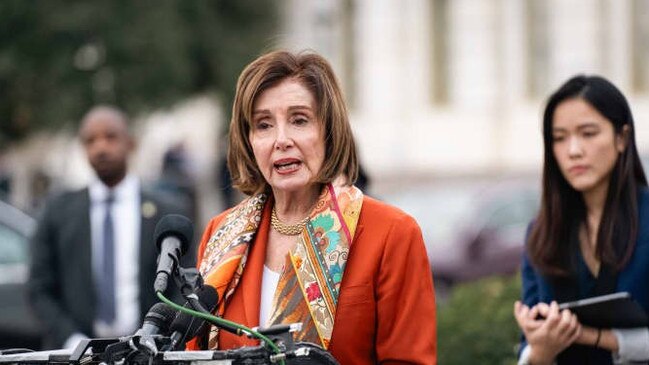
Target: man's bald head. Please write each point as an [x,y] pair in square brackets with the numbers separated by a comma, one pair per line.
[105,136]
[105,112]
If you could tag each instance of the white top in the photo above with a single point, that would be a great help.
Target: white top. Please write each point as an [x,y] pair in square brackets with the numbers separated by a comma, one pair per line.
[269,281]
[126,222]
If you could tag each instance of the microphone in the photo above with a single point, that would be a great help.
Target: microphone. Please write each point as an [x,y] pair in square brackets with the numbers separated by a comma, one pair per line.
[186,326]
[157,320]
[172,236]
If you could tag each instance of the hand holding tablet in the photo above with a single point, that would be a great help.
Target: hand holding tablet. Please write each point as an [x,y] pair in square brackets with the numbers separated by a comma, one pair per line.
[617,310]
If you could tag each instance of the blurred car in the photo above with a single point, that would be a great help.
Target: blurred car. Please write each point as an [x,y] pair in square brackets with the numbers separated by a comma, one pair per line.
[472,229]
[18,327]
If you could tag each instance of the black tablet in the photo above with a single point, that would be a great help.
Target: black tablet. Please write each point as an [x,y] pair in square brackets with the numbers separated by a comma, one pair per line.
[617,310]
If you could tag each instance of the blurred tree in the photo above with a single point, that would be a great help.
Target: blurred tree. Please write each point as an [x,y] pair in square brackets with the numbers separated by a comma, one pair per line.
[57,58]
[477,326]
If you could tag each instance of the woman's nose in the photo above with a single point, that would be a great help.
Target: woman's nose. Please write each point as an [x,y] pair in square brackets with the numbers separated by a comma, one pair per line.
[283,139]
[574,147]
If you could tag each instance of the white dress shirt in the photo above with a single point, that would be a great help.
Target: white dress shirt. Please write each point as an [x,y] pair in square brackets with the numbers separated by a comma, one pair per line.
[126,217]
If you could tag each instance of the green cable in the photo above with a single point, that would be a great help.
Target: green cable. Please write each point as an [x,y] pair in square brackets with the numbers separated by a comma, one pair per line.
[216,319]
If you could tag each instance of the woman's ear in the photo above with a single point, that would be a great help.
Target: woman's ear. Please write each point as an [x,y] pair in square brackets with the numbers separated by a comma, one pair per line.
[622,139]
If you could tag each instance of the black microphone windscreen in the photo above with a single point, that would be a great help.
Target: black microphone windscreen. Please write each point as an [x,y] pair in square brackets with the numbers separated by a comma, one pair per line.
[161,315]
[174,225]
[190,325]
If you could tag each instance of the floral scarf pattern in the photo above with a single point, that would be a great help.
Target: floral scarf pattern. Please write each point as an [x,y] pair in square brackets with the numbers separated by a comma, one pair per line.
[308,288]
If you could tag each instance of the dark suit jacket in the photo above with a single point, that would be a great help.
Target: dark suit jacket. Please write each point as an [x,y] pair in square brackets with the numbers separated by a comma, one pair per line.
[634,278]
[61,289]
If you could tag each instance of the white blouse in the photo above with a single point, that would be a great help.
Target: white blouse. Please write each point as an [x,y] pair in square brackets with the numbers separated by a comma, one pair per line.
[269,282]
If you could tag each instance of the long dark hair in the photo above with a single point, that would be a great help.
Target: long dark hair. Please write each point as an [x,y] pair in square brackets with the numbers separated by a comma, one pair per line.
[562,207]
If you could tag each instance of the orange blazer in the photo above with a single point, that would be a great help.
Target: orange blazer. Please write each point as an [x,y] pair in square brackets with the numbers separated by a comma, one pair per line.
[386,308]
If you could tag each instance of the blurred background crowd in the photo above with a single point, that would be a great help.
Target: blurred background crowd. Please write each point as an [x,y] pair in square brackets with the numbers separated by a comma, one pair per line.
[445,99]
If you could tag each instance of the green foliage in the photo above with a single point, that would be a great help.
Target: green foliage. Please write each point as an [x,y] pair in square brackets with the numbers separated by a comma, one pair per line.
[59,57]
[477,326]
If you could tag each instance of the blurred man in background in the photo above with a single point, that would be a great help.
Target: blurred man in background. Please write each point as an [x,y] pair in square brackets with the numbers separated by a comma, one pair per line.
[93,255]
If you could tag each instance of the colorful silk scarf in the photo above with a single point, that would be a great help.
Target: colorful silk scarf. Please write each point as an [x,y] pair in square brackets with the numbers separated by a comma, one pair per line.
[308,288]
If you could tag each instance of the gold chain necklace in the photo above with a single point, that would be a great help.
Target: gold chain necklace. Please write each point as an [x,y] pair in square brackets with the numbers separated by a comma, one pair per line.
[287,229]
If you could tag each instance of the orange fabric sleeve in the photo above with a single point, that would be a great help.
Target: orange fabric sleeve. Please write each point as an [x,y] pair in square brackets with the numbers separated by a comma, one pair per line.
[405,300]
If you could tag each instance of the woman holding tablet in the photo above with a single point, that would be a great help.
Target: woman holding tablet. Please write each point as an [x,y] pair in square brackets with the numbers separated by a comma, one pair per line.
[591,235]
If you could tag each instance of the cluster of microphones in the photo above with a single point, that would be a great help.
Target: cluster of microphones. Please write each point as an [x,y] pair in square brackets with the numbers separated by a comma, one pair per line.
[180,327]
[173,233]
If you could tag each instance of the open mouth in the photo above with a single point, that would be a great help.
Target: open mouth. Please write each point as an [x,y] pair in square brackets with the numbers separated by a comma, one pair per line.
[287,165]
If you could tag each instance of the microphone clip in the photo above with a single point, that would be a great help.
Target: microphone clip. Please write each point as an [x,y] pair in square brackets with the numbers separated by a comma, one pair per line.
[188,280]
[281,335]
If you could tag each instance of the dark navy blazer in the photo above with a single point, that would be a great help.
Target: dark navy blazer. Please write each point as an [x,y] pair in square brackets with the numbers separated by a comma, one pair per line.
[634,278]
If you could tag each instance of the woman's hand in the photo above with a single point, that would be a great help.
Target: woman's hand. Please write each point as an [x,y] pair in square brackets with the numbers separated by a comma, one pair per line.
[548,336]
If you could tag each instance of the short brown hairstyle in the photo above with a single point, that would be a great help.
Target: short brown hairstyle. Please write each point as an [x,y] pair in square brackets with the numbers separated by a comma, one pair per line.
[315,73]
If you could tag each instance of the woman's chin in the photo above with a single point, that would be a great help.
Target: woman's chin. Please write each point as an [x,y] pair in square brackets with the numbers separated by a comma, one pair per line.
[291,185]
[583,185]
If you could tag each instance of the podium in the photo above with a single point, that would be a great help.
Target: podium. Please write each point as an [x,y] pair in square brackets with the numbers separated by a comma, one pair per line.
[93,351]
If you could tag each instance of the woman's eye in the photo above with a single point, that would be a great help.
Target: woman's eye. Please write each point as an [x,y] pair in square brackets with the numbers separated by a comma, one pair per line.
[262,125]
[590,133]
[557,138]
[300,121]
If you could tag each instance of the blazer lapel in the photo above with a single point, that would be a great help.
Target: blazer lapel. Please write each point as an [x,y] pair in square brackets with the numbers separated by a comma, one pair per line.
[149,214]
[81,245]
[84,231]
[359,230]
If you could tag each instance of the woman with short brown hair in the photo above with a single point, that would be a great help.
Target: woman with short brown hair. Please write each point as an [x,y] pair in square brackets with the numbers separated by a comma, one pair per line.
[306,245]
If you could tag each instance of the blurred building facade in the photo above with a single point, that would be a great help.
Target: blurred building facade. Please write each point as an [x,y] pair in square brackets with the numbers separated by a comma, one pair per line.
[457,86]
[435,87]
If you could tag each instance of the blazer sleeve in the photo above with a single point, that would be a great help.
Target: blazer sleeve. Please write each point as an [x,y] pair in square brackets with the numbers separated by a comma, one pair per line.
[42,289]
[530,287]
[406,320]
[530,295]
